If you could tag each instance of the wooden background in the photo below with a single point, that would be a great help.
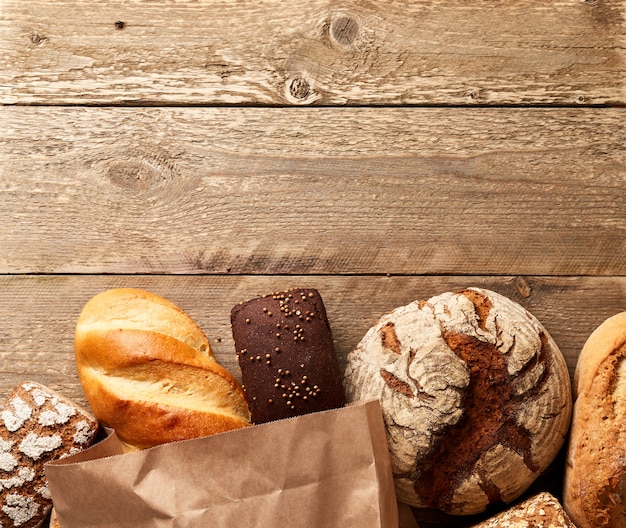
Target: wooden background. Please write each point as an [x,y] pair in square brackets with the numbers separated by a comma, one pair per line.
[381,152]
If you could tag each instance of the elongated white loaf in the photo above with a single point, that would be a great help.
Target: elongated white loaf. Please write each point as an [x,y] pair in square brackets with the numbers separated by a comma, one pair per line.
[594,493]
[148,372]
[475,395]
[37,425]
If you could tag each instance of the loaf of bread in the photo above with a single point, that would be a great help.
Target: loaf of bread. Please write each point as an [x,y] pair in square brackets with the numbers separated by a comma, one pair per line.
[287,355]
[148,372]
[475,395]
[542,511]
[594,493]
[37,425]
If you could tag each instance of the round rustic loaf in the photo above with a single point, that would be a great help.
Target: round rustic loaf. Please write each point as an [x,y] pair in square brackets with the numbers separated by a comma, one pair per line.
[594,491]
[148,372]
[475,395]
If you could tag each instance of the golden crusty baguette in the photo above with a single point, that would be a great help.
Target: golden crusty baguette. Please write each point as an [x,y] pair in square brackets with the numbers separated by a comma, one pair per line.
[594,491]
[148,372]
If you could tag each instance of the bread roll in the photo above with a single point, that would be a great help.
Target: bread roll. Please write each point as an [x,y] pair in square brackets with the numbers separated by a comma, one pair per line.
[542,510]
[148,372]
[475,396]
[37,425]
[594,493]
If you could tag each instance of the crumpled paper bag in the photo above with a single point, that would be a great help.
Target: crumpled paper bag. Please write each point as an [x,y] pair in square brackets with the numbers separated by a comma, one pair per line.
[319,470]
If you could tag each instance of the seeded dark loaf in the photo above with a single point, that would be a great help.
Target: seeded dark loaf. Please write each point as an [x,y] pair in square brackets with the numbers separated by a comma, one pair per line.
[475,396]
[287,356]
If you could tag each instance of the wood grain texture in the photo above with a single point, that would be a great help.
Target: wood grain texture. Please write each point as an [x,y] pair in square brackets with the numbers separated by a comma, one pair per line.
[245,190]
[319,52]
[39,313]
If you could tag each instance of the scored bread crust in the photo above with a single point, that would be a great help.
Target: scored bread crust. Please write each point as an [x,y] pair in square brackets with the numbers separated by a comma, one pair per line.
[133,308]
[148,371]
[594,489]
[475,395]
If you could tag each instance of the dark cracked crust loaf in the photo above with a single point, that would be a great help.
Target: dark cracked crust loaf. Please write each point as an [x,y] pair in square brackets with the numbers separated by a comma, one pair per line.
[475,395]
[37,425]
[287,356]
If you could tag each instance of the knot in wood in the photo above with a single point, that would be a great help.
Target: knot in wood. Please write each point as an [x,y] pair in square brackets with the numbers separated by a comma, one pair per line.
[140,171]
[119,25]
[299,88]
[522,287]
[344,30]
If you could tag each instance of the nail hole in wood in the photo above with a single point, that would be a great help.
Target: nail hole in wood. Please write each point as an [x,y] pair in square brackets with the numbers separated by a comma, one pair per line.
[37,39]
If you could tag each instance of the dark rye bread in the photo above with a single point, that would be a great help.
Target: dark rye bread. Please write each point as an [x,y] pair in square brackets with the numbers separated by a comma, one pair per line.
[37,425]
[287,356]
[475,395]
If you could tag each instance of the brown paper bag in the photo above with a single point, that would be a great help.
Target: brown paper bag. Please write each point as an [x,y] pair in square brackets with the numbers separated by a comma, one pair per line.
[319,470]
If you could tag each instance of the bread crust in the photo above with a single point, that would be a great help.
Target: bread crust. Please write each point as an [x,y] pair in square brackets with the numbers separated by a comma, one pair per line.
[594,492]
[148,372]
[475,395]
[37,425]
[541,510]
[286,354]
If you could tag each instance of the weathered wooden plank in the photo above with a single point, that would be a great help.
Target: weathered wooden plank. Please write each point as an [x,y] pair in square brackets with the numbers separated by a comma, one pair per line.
[38,313]
[317,52]
[298,191]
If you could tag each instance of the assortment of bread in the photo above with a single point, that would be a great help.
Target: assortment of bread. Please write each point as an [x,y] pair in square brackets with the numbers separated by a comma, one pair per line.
[474,391]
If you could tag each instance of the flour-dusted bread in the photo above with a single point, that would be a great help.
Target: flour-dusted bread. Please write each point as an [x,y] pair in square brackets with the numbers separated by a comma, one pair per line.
[541,511]
[148,372]
[594,493]
[37,425]
[475,395]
